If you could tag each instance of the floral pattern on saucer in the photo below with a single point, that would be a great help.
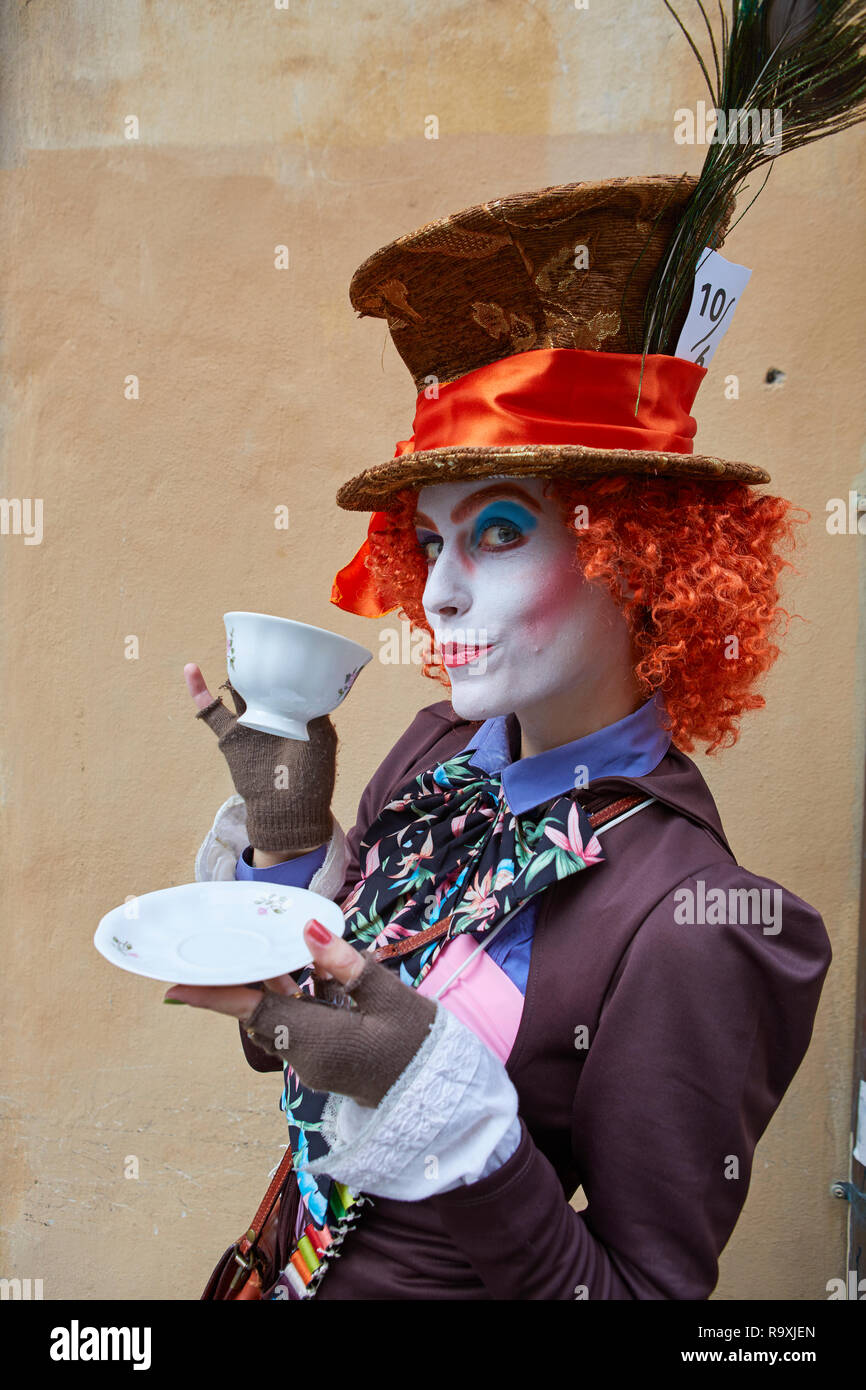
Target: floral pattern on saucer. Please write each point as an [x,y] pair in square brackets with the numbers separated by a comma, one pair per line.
[272,902]
[124,947]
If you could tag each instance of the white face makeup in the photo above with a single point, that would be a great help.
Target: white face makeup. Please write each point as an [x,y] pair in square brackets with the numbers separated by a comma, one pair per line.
[517,623]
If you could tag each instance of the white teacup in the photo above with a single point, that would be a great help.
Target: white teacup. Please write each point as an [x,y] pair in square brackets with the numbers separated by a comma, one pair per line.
[288,672]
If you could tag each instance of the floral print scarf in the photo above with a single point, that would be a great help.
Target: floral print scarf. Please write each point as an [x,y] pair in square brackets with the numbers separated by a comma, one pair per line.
[446,844]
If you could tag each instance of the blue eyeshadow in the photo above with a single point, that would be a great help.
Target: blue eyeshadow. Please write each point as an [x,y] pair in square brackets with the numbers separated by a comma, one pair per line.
[507,511]
[494,511]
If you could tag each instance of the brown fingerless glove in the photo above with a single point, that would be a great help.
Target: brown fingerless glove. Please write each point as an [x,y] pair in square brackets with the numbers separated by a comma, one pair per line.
[357,1052]
[287,784]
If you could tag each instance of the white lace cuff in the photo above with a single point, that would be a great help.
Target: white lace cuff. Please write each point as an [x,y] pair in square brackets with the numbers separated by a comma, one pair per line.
[227,839]
[450,1118]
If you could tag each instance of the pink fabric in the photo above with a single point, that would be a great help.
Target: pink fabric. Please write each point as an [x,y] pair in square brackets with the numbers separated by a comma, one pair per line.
[482,996]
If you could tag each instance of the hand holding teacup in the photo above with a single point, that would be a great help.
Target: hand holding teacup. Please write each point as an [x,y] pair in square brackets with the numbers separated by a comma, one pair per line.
[281,750]
[287,785]
[288,673]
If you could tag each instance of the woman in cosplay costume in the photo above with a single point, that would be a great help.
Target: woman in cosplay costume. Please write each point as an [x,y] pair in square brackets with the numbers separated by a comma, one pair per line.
[554,973]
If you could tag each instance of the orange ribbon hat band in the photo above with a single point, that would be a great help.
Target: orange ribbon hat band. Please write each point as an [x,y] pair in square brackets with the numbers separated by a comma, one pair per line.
[565,396]
[545,396]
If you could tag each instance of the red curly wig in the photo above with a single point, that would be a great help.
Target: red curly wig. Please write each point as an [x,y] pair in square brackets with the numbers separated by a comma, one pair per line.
[700,562]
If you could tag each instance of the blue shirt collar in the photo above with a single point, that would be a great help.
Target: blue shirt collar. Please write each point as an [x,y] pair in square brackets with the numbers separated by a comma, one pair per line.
[632,747]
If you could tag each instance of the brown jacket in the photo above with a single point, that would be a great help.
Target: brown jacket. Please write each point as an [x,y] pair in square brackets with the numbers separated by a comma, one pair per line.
[694,1035]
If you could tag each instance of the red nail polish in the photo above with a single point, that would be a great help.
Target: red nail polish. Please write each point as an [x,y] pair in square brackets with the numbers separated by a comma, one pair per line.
[318,932]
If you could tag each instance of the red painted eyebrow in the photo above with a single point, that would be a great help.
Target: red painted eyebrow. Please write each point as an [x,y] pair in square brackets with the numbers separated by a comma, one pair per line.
[462,509]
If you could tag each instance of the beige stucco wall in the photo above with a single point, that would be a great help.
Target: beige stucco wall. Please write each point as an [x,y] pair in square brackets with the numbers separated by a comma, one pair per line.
[154,257]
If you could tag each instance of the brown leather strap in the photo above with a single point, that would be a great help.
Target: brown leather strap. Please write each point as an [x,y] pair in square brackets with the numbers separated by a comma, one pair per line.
[247,1241]
[412,943]
[422,938]
[616,808]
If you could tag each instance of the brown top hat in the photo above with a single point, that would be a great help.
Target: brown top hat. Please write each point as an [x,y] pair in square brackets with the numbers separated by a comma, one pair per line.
[523,318]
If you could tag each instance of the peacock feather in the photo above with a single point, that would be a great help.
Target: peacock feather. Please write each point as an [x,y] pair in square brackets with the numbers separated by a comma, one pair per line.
[801,62]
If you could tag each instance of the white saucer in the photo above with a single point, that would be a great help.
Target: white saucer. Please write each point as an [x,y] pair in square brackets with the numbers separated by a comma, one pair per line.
[222,933]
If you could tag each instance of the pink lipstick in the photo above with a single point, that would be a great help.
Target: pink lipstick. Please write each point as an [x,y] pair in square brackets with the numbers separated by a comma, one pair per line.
[458,654]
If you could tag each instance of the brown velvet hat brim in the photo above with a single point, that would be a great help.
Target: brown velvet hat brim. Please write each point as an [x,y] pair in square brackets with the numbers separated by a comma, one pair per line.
[373,489]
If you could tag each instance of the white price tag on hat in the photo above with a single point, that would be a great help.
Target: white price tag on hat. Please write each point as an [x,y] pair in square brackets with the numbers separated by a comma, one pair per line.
[718,286]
